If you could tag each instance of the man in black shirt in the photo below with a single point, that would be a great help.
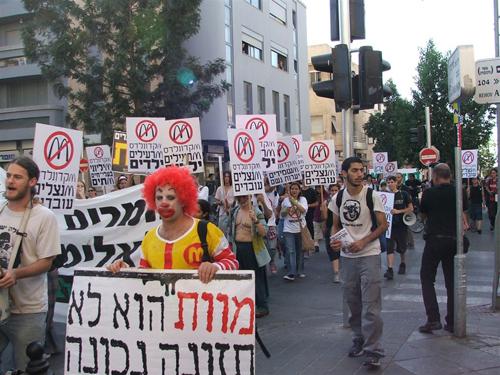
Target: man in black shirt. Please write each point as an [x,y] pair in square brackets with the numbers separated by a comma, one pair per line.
[312,198]
[438,209]
[476,198]
[413,184]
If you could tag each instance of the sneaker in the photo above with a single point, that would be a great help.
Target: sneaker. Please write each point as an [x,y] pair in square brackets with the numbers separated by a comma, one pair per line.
[448,327]
[316,249]
[479,231]
[289,277]
[389,274]
[402,269]
[357,348]
[336,278]
[274,269]
[302,275]
[372,361]
[429,327]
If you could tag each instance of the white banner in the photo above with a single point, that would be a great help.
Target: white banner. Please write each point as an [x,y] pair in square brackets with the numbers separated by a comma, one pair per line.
[391,168]
[380,159]
[103,229]
[160,322]
[388,203]
[144,143]
[183,144]
[57,152]
[297,143]
[265,125]
[245,160]
[319,163]
[469,163]
[288,165]
[100,165]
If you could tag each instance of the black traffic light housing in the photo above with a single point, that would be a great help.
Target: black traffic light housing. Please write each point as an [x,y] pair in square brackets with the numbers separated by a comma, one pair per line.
[339,87]
[356,15]
[417,135]
[371,89]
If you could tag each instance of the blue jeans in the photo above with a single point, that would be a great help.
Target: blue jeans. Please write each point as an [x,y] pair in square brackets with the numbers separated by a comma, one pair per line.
[294,254]
[21,330]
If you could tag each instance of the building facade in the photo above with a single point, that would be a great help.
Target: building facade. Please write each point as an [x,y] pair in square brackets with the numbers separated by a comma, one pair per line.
[25,97]
[326,123]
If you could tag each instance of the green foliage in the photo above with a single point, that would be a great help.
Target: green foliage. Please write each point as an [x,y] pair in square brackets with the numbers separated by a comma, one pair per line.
[432,91]
[124,57]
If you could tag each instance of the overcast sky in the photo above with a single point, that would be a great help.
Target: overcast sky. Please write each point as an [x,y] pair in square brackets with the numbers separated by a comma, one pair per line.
[399,28]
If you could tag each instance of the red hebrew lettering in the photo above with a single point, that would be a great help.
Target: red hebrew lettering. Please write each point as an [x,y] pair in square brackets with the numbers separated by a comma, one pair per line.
[209,297]
[239,305]
[182,296]
[224,298]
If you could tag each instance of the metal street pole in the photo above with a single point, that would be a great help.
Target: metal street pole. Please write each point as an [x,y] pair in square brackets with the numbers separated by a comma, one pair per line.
[495,301]
[345,38]
[428,136]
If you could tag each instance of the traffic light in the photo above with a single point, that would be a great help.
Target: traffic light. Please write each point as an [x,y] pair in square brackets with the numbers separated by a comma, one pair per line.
[417,135]
[356,15]
[339,87]
[371,90]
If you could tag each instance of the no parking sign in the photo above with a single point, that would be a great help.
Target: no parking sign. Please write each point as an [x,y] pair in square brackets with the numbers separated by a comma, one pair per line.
[469,163]
[57,152]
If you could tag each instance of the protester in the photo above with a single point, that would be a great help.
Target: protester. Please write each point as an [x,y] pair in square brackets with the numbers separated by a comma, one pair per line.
[475,194]
[248,229]
[439,211]
[224,198]
[171,191]
[491,189]
[27,280]
[272,231]
[327,216]
[318,221]
[312,198]
[124,181]
[401,186]
[293,211]
[203,212]
[92,192]
[383,186]
[80,190]
[414,185]
[398,241]
[202,188]
[361,260]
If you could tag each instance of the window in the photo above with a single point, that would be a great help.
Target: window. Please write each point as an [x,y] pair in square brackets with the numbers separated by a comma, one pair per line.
[277,10]
[261,99]
[294,19]
[278,60]
[247,97]
[286,112]
[252,44]
[276,108]
[23,93]
[255,3]
[230,105]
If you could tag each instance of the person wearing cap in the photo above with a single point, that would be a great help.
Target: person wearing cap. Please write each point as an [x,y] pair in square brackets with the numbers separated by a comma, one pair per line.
[124,182]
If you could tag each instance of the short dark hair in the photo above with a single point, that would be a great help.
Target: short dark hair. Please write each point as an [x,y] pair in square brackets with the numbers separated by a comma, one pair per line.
[442,170]
[392,178]
[346,164]
[204,208]
[31,168]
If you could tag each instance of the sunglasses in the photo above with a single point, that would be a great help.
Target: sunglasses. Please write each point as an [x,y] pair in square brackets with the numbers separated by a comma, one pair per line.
[91,191]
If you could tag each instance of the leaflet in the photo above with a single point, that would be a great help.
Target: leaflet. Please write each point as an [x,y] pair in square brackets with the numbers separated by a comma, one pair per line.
[344,237]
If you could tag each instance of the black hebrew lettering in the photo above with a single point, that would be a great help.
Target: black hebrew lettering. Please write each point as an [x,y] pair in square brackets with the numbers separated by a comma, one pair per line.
[123,312]
[142,347]
[74,340]
[208,348]
[92,370]
[128,251]
[168,347]
[99,247]
[139,298]
[78,215]
[105,342]
[93,323]
[122,345]
[221,348]
[160,300]
[237,349]
[193,347]
[77,308]
[138,207]
[134,164]
[115,215]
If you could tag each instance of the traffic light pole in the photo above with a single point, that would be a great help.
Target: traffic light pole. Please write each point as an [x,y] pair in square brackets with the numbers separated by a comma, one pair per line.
[495,299]
[347,116]
[428,136]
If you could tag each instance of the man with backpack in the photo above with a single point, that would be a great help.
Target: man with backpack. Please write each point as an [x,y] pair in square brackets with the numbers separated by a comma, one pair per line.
[361,214]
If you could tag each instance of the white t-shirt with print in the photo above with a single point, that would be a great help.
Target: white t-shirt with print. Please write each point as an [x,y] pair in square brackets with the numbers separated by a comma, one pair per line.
[293,218]
[42,241]
[275,200]
[356,219]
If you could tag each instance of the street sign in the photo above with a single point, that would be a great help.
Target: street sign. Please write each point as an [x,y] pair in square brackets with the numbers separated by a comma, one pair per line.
[429,155]
[461,74]
[84,165]
[487,81]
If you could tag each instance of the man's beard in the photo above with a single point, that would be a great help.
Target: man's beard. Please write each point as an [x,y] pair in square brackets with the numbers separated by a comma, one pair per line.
[20,194]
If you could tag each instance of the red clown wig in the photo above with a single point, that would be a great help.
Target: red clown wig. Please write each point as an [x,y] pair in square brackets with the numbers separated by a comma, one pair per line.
[180,180]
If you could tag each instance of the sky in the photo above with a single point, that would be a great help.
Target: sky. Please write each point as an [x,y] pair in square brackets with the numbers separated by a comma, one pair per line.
[399,28]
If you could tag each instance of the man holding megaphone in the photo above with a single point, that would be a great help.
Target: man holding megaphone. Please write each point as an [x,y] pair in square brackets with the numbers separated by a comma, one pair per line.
[399,232]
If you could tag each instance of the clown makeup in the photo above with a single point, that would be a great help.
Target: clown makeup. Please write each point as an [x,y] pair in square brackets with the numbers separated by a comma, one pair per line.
[167,204]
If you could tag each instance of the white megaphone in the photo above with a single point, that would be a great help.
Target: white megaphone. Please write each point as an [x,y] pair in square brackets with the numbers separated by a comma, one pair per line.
[409,218]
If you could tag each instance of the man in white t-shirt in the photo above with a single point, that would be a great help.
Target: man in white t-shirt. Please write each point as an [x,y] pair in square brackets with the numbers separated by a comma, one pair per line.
[360,260]
[27,281]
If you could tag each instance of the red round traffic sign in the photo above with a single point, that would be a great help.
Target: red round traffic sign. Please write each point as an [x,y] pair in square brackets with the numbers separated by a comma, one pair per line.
[429,155]
[84,165]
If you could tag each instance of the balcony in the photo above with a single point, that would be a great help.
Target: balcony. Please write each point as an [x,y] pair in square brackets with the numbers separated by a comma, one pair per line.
[10,9]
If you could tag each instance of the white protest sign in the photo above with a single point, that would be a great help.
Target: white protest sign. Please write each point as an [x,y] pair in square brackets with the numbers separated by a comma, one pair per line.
[100,165]
[388,203]
[319,163]
[183,144]
[391,168]
[288,165]
[144,143]
[103,229]
[265,125]
[297,143]
[380,159]
[57,153]
[160,322]
[245,159]
[469,163]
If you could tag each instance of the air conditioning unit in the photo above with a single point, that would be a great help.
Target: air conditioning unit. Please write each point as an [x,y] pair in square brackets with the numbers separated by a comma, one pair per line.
[22,61]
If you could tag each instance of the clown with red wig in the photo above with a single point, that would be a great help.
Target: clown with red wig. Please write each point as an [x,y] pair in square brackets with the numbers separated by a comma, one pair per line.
[175,244]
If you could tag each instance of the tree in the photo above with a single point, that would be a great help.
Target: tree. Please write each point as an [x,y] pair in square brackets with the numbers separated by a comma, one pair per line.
[125,57]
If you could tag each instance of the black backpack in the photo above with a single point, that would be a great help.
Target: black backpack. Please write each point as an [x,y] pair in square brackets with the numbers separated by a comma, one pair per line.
[202,233]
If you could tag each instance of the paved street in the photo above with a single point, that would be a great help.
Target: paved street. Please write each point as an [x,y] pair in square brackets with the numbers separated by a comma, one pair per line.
[304,331]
